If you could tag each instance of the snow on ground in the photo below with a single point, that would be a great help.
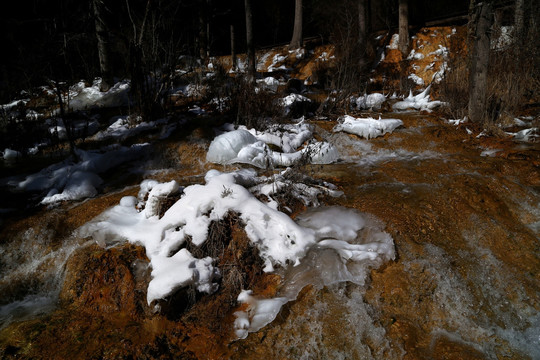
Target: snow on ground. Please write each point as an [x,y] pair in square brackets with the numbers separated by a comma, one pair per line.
[281,241]
[90,97]
[367,127]
[250,147]
[10,154]
[288,101]
[417,102]
[268,83]
[370,101]
[74,181]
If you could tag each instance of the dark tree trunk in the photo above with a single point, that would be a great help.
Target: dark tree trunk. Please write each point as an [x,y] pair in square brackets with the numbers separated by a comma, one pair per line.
[233,49]
[203,30]
[403,27]
[297,38]
[519,21]
[480,22]
[362,30]
[104,44]
[250,44]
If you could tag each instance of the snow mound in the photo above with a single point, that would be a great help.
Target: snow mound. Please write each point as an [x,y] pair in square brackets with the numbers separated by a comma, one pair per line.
[367,127]
[371,101]
[248,147]
[281,241]
[417,102]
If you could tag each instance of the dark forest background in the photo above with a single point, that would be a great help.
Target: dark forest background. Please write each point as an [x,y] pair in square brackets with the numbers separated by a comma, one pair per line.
[46,40]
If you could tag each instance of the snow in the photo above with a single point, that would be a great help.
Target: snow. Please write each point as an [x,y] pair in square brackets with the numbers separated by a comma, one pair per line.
[10,154]
[348,245]
[288,101]
[417,102]
[394,42]
[242,146]
[372,101]
[275,61]
[281,241]
[367,127]
[74,181]
[527,135]
[269,83]
[126,126]
[91,97]
[417,79]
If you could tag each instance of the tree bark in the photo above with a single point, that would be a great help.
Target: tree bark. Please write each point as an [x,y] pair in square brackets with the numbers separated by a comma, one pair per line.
[203,27]
[249,39]
[233,49]
[104,46]
[403,27]
[481,20]
[297,38]
[519,21]
[362,30]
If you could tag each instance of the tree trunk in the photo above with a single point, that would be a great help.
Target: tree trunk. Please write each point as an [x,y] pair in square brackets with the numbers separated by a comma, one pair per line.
[362,30]
[233,49]
[297,38]
[404,27]
[249,39]
[104,46]
[519,21]
[481,20]
[203,27]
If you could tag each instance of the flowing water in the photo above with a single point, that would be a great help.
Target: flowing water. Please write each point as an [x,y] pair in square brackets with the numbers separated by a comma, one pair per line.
[464,285]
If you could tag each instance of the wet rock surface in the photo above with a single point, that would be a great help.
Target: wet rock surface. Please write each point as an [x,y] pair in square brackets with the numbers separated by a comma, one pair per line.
[465,283]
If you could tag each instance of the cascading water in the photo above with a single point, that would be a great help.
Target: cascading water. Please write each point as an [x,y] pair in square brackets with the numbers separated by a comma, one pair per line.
[32,270]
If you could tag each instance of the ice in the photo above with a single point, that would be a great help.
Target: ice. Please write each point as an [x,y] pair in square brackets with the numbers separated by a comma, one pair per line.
[371,101]
[417,102]
[348,245]
[367,127]
[260,313]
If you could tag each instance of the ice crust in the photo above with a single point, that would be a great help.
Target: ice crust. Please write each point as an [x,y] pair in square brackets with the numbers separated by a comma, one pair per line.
[367,127]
